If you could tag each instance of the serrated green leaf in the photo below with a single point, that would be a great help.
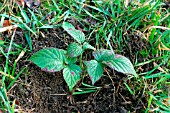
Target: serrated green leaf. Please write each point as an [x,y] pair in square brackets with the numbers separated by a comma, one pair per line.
[49,59]
[76,34]
[67,26]
[72,75]
[88,46]
[103,55]
[121,64]
[74,50]
[94,69]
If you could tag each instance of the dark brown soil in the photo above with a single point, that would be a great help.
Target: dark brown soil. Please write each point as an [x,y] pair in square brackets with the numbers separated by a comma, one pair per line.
[43,92]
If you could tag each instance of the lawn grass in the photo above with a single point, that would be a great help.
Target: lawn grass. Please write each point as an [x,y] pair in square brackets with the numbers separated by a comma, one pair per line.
[113,23]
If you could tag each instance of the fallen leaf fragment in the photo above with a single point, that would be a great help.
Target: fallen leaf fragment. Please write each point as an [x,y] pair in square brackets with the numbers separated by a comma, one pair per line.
[6,23]
[17,102]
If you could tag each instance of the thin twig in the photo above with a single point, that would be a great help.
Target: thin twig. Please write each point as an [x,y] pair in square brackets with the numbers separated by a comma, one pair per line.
[109,76]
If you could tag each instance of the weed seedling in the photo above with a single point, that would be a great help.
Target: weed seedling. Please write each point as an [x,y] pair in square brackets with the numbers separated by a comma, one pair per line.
[54,59]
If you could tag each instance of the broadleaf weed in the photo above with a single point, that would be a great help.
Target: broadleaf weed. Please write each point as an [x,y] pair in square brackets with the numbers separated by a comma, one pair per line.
[53,59]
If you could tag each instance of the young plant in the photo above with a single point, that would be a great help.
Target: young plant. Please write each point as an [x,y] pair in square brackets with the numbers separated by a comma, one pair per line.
[54,59]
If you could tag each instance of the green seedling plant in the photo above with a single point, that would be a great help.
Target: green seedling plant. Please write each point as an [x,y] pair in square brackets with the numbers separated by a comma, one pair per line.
[71,63]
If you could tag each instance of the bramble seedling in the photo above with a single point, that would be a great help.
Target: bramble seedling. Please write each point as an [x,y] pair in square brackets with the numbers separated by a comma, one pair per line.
[54,59]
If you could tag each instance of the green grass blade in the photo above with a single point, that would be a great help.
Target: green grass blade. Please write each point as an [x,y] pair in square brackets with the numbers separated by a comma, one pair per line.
[13,81]
[130,90]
